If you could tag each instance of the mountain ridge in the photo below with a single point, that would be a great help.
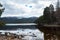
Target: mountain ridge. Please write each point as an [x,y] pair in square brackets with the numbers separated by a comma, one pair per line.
[18,20]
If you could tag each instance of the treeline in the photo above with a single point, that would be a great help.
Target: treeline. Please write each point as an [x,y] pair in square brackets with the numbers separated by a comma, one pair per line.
[2,23]
[48,16]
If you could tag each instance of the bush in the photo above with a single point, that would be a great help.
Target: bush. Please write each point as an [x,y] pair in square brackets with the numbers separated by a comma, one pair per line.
[2,23]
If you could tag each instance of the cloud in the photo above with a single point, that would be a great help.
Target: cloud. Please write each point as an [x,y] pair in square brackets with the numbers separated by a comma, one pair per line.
[26,8]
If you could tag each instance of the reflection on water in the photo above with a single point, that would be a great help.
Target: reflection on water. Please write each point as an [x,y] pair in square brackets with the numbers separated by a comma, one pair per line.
[12,26]
[15,24]
[16,27]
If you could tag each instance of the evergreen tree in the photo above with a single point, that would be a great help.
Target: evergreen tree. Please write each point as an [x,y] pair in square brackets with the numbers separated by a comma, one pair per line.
[46,14]
[47,17]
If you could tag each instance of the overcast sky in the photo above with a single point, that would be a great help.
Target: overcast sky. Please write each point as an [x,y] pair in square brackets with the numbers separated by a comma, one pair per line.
[25,8]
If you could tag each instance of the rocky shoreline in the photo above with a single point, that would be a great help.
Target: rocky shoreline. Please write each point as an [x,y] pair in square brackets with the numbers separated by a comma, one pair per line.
[10,36]
[21,34]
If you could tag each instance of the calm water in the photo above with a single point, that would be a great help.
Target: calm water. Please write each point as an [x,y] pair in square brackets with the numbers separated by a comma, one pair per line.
[14,26]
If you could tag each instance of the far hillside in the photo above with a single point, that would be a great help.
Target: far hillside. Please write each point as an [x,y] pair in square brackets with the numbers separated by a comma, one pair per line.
[17,20]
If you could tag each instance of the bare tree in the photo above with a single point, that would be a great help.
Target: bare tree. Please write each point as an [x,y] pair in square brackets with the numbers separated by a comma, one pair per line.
[1,9]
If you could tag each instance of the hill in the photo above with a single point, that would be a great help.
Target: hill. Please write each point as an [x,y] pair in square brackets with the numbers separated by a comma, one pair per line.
[17,20]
